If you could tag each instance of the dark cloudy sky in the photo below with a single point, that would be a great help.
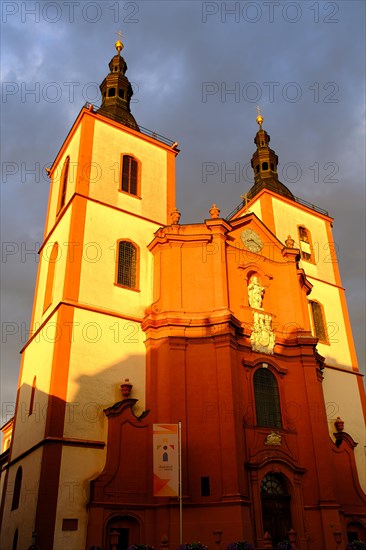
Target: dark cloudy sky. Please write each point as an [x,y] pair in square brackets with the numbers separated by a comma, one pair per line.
[302,62]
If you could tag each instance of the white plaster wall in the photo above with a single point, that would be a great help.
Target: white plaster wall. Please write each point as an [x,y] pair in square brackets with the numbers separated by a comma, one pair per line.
[337,353]
[103,228]
[78,467]
[109,144]
[23,518]
[29,429]
[287,218]
[97,368]
[61,236]
[342,398]
[72,151]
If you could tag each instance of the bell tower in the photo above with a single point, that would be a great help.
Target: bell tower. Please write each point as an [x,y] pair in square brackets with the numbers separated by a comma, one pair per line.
[112,186]
[308,228]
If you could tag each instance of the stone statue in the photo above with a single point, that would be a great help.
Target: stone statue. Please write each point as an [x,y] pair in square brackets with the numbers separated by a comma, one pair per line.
[255,293]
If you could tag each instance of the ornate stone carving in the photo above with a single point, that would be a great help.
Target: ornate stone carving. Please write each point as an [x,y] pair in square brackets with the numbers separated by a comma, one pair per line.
[273,438]
[175,216]
[255,293]
[263,337]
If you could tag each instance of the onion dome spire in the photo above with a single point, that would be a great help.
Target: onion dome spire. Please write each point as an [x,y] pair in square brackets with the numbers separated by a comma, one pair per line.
[264,163]
[117,90]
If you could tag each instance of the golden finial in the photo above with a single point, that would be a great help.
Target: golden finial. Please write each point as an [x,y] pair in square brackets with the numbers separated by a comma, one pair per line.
[259,118]
[119,44]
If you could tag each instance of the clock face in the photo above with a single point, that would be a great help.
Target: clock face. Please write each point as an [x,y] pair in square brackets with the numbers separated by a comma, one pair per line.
[251,240]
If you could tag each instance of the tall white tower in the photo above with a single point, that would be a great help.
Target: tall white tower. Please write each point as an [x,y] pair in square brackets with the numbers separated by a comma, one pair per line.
[112,187]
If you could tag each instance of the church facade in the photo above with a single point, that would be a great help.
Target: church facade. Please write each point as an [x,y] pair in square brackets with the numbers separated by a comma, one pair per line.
[236,327]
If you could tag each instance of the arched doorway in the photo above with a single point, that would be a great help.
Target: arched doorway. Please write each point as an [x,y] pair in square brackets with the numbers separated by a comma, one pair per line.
[122,532]
[355,531]
[276,507]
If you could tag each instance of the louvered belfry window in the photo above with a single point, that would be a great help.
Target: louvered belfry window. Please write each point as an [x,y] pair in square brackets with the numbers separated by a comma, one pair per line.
[129,175]
[267,402]
[127,264]
[305,245]
[319,323]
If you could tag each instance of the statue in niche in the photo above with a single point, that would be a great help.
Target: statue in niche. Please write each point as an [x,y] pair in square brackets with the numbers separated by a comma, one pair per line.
[263,337]
[255,293]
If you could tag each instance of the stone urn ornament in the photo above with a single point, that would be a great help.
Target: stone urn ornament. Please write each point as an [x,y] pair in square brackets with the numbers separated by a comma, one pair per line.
[339,424]
[126,388]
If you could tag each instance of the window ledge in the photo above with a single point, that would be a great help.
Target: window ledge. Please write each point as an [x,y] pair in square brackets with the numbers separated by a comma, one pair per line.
[129,194]
[127,287]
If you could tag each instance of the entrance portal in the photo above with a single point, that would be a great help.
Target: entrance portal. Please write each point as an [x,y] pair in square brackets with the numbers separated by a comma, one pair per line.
[276,509]
[122,532]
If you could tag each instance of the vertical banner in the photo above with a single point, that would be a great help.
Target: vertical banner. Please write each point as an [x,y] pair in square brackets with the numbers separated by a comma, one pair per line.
[166,460]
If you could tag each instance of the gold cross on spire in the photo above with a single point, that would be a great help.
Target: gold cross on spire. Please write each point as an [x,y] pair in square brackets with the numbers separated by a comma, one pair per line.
[119,44]
[259,118]
[245,198]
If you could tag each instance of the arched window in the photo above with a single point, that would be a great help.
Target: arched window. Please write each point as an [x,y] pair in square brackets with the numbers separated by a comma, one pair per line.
[127,264]
[17,487]
[33,391]
[264,165]
[50,277]
[129,175]
[267,401]
[272,485]
[15,540]
[63,184]
[319,324]
[305,243]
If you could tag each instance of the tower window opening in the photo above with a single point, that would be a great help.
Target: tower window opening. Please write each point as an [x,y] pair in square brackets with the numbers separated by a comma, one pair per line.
[267,402]
[17,488]
[205,486]
[272,166]
[262,143]
[257,168]
[127,264]
[15,540]
[33,391]
[305,243]
[111,92]
[121,93]
[319,323]
[63,184]
[264,165]
[129,175]
[48,295]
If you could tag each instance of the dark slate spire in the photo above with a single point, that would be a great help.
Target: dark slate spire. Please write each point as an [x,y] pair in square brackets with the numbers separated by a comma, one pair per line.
[117,91]
[264,163]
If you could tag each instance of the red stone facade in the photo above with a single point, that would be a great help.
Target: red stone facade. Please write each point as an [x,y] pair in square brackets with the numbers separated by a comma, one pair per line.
[282,476]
